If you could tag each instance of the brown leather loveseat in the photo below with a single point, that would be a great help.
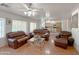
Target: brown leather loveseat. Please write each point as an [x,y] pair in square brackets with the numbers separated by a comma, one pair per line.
[17,39]
[44,33]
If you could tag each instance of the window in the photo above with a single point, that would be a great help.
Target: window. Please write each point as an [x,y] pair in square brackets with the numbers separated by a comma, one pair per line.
[2,27]
[32,26]
[19,26]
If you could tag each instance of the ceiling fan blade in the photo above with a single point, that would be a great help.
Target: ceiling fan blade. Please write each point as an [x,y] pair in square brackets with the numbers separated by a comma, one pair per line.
[25,6]
[35,10]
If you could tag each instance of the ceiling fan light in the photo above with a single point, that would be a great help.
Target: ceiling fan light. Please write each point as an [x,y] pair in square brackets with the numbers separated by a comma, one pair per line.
[29,13]
[25,13]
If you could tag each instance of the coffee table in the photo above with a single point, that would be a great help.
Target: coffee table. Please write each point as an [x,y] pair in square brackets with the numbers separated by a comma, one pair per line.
[36,42]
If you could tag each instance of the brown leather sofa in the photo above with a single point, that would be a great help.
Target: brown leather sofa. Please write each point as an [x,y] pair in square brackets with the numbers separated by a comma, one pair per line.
[17,39]
[44,33]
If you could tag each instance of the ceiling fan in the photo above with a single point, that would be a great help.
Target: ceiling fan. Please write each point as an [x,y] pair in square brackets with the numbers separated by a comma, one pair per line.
[30,10]
[29,7]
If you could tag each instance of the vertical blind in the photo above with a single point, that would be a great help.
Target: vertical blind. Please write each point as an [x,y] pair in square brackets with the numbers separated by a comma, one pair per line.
[2,27]
[32,26]
[19,26]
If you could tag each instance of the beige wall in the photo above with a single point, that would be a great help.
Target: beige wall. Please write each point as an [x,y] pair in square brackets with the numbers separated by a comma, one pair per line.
[75,21]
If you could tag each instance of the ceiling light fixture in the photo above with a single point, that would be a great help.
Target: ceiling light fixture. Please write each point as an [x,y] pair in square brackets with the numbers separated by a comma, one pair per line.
[30,10]
[30,13]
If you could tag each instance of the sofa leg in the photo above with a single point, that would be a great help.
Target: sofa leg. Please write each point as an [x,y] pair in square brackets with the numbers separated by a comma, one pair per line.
[46,39]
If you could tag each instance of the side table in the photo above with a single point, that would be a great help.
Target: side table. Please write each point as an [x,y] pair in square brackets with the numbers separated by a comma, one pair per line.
[70,41]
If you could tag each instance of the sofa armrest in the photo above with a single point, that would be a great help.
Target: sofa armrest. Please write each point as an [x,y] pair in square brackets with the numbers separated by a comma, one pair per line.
[45,35]
[12,40]
[13,43]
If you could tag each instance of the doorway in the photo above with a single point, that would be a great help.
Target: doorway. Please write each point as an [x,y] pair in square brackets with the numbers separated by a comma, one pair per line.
[53,26]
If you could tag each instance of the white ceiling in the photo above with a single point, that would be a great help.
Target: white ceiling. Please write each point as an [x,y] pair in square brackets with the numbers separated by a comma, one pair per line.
[56,10]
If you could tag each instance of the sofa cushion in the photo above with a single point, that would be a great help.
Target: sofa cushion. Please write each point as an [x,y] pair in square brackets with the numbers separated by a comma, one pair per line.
[15,34]
[61,42]
[11,40]
[18,37]
[22,39]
